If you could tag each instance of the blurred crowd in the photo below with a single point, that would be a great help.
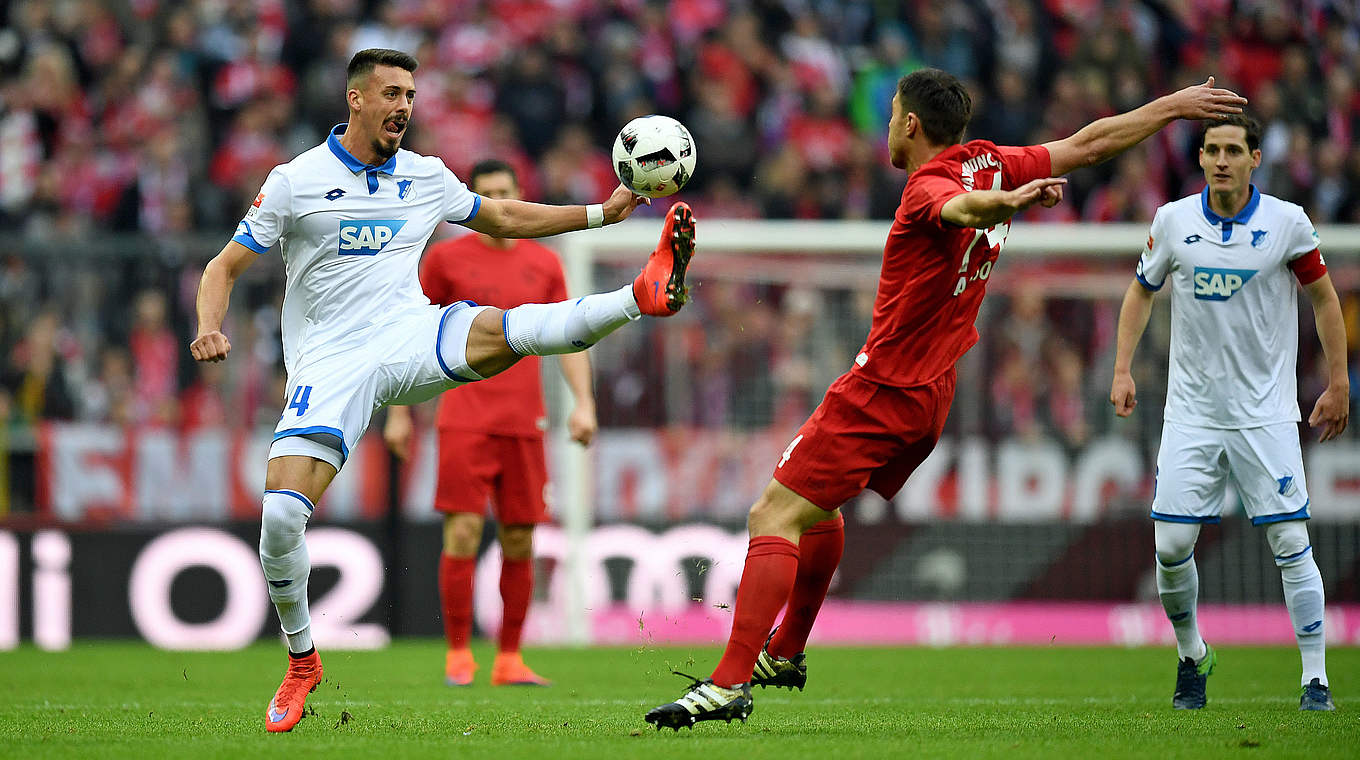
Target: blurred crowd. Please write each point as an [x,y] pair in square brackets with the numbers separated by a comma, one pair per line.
[162,118]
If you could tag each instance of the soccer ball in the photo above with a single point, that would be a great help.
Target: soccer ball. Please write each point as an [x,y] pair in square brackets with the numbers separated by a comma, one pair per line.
[654,156]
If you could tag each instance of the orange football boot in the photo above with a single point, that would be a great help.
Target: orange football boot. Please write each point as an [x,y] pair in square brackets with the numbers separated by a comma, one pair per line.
[660,289]
[459,667]
[510,670]
[285,709]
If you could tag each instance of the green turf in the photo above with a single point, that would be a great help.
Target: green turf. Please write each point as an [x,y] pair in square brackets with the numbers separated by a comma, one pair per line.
[107,699]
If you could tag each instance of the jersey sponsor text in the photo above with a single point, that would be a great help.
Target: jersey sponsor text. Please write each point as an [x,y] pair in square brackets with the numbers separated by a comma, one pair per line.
[1219,284]
[367,238]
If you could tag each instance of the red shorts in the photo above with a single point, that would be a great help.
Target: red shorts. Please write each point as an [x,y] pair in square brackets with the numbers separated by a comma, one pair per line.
[508,471]
[864,435]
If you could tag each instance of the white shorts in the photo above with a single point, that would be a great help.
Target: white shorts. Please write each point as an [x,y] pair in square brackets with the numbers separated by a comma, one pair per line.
[1265,464]
[332,398]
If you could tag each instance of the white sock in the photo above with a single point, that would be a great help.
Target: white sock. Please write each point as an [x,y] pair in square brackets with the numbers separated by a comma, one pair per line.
[566,327]
[1178,587]
[302,640]
[283,555]
[1303,596]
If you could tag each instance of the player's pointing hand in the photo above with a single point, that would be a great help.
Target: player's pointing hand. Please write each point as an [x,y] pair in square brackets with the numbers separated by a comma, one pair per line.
[1051,196]
[1204,101]
[1047,190]
[210,347]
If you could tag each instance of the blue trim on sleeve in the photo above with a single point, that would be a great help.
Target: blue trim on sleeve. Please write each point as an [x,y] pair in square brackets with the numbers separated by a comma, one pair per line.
[1141,281]
[1299,514]
[439,338]
[1177,563]
[290,432]
[476,206]
[289,492]
[246,240]
[1295,555]
[1212,520]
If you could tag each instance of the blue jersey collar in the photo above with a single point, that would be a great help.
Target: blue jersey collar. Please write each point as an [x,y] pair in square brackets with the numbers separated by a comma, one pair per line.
[1226,223]
[355,165]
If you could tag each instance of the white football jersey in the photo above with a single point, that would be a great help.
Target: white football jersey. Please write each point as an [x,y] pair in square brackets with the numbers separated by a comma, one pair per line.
[1234,308]
[351,237]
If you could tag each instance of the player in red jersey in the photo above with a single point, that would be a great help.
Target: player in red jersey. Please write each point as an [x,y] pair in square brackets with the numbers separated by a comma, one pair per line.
[881,419]
[491,434]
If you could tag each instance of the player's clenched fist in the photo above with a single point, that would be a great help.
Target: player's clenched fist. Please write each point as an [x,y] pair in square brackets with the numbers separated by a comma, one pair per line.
[210,347]
[1122,394]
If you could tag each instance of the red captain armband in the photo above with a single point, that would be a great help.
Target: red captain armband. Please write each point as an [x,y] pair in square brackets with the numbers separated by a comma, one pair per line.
[1309,267]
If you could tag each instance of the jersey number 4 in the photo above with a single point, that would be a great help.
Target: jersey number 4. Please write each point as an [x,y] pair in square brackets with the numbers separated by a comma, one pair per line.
[996,238]
[300,396]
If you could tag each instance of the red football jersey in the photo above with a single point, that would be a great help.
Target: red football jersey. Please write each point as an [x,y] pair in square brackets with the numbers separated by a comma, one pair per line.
[934,274]
[466,269]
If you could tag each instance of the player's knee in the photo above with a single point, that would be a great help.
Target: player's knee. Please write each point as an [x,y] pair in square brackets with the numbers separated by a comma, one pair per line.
[771,517]
[1175,542]
[1288,541]
[488,351]
[283,518]
[517,541]
[462,535]
[762,513]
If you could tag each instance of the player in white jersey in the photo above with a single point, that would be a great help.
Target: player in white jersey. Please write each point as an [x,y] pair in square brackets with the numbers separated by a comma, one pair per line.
[351,218]
[1231,255]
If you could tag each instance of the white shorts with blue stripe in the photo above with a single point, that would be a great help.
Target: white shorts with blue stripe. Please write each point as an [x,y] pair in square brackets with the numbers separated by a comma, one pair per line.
[1265,464]
[331,398]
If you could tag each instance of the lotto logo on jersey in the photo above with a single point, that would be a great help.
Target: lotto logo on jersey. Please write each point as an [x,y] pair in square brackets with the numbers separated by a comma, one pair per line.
[368,237]
[1219,284]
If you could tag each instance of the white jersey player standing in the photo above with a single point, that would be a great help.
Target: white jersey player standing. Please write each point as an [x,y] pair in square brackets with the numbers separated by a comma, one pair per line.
[351,218]
[1231,256]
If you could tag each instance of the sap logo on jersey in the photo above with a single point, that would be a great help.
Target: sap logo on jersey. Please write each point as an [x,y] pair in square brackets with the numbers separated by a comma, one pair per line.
[1219,284]
[368,237]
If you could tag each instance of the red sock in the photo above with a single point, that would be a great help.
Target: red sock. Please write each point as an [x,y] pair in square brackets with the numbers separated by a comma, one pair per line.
[455,597]
[771,565]
[819,552]
[517,589]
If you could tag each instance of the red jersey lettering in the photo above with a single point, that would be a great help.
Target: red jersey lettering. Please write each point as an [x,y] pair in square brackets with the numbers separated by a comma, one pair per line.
[934,274]
[465,268]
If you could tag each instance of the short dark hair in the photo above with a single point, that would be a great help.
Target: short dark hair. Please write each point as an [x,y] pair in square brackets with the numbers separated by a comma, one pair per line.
[364,61]
[939,100]
[1249,125]
[491,166]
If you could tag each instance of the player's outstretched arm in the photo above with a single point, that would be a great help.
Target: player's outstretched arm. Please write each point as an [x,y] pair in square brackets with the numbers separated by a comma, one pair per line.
[214,293]
[1133,319]
[985,208]
[1333,407]
[1106,138]
[507,218]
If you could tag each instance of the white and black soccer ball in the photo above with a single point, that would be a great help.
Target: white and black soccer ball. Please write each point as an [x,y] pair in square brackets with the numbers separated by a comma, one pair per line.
[654,156]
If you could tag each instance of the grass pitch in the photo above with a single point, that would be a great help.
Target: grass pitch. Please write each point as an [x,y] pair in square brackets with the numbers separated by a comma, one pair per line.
[113,699]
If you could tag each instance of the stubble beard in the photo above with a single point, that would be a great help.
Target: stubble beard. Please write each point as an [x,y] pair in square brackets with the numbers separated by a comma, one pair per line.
[383,151]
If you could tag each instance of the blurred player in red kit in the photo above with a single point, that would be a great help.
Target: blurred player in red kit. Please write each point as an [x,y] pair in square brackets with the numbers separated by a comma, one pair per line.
[491,434]
[881,419]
